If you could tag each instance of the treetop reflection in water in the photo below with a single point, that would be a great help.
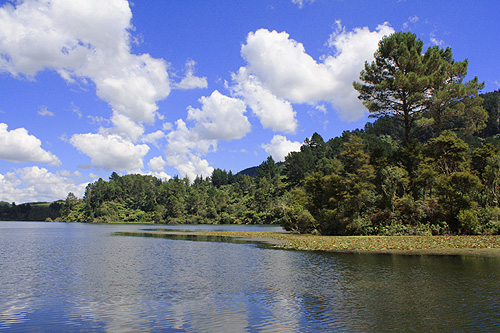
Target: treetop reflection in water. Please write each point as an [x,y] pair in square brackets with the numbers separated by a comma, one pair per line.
[57,276]
[187,237]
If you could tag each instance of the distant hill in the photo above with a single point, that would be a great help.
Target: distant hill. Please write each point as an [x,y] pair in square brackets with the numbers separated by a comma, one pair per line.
[252,171]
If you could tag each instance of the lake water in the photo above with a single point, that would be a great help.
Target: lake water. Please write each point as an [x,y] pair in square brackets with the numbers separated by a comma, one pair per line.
[85,277]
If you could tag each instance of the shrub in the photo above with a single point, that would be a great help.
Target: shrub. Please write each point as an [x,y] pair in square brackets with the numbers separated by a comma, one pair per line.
[469,222]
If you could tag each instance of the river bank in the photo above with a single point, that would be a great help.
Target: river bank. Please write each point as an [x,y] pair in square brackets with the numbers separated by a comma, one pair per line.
[409,245]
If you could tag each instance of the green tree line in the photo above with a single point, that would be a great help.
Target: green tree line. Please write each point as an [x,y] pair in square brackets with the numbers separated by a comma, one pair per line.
[34,211]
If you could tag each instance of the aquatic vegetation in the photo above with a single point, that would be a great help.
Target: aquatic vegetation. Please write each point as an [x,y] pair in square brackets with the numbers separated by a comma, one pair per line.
[288,240]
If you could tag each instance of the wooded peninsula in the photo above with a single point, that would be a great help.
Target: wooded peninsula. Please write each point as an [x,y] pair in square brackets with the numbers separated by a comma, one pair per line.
[429,164]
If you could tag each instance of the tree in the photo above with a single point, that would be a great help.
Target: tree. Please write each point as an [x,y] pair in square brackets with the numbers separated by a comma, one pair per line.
[221,177]
[315,145]
[114,177]
[69,203]
[394,181]
[491,102]
[300,163]
[404,85]
[446,153]
[451,98]
[269,170]
[492,179]
[297,165]
[335,201]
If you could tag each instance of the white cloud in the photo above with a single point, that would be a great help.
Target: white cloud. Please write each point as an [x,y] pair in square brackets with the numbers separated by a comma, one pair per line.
[84,39]
[111,152]
[157,164]
[190,81]
[220,118]
[321,108]
[352,50]
[97,120]
[76,110]
[300,3]
[160,175]
[167,126]
[133,86]
[283,66]
[124,127]
[76,174]
[154,138]
[45,112]
[274,113]
[184,151]
[411,20]
[434,40]
[190,165]
[38,184]
[19,146]
[279,147]
[278,65]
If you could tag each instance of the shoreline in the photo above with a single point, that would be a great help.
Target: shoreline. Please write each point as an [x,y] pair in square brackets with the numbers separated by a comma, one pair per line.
[485,246]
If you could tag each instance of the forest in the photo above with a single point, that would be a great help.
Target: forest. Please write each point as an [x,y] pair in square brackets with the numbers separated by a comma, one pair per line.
[429,163]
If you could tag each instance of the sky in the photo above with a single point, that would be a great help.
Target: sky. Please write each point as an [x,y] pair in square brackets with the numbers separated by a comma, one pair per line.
[167,87]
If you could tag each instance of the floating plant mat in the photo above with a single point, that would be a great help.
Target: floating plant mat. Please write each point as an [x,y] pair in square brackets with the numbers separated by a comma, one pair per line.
[411,245]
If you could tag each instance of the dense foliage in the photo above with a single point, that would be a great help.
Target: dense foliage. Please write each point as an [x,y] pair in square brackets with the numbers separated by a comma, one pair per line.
[429,164]
[34,211]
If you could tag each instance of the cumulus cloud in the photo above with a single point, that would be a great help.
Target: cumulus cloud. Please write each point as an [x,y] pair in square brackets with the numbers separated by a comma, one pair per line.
[352,49]
[184,151]
[111,152]
[154,138]
[134,86]
[190,165]
[19,146]
[125,127]
[157,168]
[281,68]
[84,39]
[38,184]
[190,81]
[280,146]
[160,175]
[157,164]
[90,41]
[220,118]
[274,113]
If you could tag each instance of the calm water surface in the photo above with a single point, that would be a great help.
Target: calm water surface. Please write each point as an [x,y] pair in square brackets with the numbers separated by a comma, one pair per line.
[81,277]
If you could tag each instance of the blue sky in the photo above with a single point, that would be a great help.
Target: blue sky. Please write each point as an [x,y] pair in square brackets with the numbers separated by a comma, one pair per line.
[168,87]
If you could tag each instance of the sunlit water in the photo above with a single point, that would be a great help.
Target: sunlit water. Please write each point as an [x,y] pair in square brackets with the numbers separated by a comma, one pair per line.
[84,277]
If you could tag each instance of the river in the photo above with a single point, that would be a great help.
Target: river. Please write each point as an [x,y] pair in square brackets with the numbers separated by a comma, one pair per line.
[91,277]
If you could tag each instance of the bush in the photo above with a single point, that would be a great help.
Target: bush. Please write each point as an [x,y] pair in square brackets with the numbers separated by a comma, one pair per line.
[360,226]
[489,219]
[299,220]
[468,222]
